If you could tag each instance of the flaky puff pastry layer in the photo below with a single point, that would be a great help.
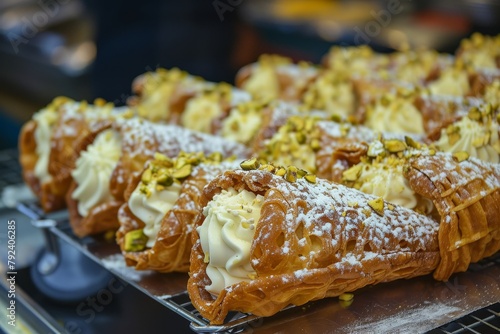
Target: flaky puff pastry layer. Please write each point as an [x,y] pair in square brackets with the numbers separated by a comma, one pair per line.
[140,140]
[313,241]
[467,197]
[173,244]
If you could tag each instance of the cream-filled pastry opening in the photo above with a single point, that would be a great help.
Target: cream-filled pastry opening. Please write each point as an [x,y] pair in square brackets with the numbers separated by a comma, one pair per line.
[200,112]
[150,203]
[478,140]
[242,124]
[384,178]
[396,115]
[45,120]
[93,171]
[263,83]
[226,237]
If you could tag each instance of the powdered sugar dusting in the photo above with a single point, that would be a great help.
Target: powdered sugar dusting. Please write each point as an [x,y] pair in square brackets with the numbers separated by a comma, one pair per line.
[413,321]
[116,263]
[141,137]
[398,229]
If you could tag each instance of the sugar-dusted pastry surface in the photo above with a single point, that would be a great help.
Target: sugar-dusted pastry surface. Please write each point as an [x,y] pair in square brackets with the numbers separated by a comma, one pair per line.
[314,240]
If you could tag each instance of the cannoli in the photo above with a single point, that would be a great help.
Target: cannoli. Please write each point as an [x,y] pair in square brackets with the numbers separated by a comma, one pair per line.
[47,145]
[466,194]
[459,191]
[395,113]
[332,92]
[254,122]
[161,205]
[205,111]
[324,148]
[109,157]
[417,67]
[439,111]
[476,134]
[454,80]
[275,77]
[162,95]
[266,241]
[480,51]
[357,61]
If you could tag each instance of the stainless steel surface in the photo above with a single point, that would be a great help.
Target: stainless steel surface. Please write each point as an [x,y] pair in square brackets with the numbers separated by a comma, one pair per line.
[417,305]
[469,302]
[51,257]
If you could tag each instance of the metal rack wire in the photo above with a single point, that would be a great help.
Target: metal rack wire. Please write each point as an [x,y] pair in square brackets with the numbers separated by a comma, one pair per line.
[10,170]
[484,320]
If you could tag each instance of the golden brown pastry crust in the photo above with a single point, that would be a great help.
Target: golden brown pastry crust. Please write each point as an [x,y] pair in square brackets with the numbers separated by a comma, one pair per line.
[172,247]
[336,251]
[50,194]
[140,141]
[467,197]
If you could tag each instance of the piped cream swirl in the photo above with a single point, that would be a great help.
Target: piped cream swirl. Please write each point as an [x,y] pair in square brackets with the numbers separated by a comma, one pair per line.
[226,237]
[383,177]
[93,171]
[396,115]
[452,81]
[45,120]
[151,208]
[469,136]
[200,111]
[242,124]
[263,83]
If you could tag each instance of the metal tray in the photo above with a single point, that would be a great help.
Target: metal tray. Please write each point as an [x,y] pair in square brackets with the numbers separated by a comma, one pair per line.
[414,305]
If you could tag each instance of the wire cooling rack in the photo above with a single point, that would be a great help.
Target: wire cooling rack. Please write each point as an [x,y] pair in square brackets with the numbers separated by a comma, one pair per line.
[469,303]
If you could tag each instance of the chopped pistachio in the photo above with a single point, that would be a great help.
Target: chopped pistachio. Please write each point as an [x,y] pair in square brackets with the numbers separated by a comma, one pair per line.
[377,205]
[183,172]
[250,164]
[352,173]
[216,156]
[146,176]
[315,145]
[135,241]
[165,180]
[461,156]
[180,162]
[394,145]
[345,303]
[412,143]
[99,102]
[453,138]
[301,137]
[346,296]
[301,172]
[267,167]
[474,114]
[291,174]
[311,178]
[280,171]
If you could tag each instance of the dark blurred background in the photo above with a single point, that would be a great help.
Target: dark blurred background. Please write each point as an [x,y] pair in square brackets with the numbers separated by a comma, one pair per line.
[90,48]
